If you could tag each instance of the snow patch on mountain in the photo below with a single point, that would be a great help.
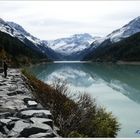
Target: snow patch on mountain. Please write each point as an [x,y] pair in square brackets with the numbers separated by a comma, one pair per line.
[72,44]
[22,34]
[4,27]
[129,29]
[73,47]
[17,31]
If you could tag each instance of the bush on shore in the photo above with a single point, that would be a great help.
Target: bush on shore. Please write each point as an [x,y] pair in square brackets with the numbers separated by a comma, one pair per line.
[80,117]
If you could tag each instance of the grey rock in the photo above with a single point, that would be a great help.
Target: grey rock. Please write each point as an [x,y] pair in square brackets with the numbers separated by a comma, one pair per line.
[11,125]
[30,102]
[42,120]
[20,114]
[35,113]
[15,93]
[30,131]
[2,84]
[5,114]
[12,88]
[43,135]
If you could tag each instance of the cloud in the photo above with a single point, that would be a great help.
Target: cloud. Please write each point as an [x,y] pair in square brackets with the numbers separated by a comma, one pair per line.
[54,19]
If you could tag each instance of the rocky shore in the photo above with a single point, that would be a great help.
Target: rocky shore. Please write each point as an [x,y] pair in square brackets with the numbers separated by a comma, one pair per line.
[20,114]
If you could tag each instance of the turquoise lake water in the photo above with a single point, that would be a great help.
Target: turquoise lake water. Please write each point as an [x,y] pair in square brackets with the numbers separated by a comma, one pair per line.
[116,87]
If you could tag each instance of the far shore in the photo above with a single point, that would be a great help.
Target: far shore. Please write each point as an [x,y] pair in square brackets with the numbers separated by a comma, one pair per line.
[118,62]
[128,62]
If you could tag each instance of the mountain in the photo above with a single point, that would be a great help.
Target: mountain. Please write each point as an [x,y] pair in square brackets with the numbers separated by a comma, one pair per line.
[69,48]
[71,44]
[121,44]
[128,30]
[34,44]
[21,34]
[16,52]
[17,31]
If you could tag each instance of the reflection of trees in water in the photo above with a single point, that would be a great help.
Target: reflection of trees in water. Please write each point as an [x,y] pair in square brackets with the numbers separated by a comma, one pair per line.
[124,78]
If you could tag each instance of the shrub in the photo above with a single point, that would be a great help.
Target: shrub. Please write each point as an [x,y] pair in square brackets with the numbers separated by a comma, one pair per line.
[75,134]
[75,117]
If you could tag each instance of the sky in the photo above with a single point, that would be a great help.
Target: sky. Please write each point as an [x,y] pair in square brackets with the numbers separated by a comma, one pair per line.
[48,20]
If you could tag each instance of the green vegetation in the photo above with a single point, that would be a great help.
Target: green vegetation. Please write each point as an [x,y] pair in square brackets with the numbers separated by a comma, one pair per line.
[16,52]
[75,116]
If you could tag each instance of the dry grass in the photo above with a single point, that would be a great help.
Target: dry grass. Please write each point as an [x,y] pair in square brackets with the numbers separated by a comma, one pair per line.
[75,118]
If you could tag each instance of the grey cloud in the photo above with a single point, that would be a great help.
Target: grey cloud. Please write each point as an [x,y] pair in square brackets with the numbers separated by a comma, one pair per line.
[46,26]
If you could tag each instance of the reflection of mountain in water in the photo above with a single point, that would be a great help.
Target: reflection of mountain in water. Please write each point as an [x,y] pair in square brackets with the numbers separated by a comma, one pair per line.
[73,73]
[124,78]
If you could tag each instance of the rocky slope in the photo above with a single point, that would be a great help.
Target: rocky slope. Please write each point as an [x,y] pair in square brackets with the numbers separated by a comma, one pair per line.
[20,114]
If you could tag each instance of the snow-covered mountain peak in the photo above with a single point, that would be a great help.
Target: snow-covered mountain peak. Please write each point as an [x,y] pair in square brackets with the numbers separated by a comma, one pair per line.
[21,33]
[72,44]
[127,30]
[82,36]
[2,21]
[4,27]
[18,28]
[135,22]
[15,30]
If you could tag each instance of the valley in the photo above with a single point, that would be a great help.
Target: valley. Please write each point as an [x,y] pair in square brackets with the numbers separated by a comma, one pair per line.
[122,44]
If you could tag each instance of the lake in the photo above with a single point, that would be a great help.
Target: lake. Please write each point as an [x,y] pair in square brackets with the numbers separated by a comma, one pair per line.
[116,87]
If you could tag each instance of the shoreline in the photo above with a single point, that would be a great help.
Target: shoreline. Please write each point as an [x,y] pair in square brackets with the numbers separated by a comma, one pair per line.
[128,63]
[21,114]
[89,62]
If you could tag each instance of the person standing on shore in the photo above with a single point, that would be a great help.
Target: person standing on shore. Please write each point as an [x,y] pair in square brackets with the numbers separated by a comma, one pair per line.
[5,69]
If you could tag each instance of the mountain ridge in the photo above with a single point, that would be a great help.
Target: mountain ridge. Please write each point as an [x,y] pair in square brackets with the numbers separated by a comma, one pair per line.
[76,47]
[128,32]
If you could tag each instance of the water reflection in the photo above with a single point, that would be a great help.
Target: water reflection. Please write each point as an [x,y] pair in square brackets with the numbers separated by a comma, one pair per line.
[122,78]
[115,86]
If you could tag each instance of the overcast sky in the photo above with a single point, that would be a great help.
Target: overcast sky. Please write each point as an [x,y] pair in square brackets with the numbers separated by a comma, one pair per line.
[55,19]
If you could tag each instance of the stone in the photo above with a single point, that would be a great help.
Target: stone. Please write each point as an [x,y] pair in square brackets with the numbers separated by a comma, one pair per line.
[5,121]
[30,102]
[19,127]
[14,118]
[2,130]
[43,135]
[2,135]
[15,93]
[12,88]
[35,112]
[42,120]
[5,114]
[11,125]
[30,131]
[2,84]
[41,126]
[20,114]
